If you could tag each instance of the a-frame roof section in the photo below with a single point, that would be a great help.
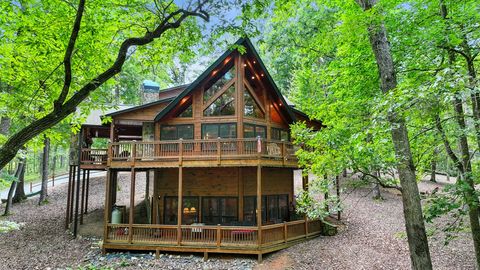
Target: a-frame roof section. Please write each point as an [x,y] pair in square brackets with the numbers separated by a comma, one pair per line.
[250,49]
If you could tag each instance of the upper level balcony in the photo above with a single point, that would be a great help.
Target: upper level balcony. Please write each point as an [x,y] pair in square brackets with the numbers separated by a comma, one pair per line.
[202,153]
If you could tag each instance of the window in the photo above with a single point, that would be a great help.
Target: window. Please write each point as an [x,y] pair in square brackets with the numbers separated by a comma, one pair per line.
[213,88]
[189,210]
[223,105]
[274,209]
[251,109]
[188,112]
[213,131]
[279,134]
[175,132]
[219,210]
[253,131]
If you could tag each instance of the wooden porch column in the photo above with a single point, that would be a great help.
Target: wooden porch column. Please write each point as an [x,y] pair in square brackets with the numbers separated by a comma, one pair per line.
[132,206]
[87,191]
[82,204]
[106,214]
[67,214]
[179,205]
[240,194]
[259,203]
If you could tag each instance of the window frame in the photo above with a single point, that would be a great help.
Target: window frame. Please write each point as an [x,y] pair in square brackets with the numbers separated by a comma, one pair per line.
[218,129]
[176,130]
[254,130]
[221,217]
[175,198]
[265,203]
[272,129]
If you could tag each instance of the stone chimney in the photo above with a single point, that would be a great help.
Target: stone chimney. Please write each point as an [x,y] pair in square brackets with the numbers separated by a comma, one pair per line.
[149,90]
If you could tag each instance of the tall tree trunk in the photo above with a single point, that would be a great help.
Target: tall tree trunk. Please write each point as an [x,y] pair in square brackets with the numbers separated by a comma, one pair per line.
[470,195]
[433,166]
[54,162]
[412,209]
[20,167]
[45,157]
[20,189]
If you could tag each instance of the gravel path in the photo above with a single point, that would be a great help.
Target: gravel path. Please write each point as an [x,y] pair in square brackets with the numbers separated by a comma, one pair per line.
[373,238]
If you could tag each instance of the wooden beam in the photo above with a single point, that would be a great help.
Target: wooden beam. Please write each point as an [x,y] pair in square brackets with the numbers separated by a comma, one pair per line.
[239,87]
[106,205]
[87,191]
[132,206]
[82,204]
[241,191]
[69,191]
[259,203]
[179,205]
[254,95]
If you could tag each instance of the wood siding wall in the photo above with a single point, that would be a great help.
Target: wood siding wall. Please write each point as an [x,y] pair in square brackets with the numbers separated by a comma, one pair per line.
[222,182]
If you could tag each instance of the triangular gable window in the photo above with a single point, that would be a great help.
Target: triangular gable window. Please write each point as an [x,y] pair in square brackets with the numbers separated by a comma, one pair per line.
[223,105]
[188,112]
[212,89]
[252,109]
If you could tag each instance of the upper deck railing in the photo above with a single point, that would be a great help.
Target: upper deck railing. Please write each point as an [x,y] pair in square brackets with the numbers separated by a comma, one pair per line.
[198,150]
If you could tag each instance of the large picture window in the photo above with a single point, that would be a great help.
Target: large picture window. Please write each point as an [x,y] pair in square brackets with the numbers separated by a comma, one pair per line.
[274,209]
[253,131]
[219,210]
[214,131]
[251,109]
[175,132]
[190,209]
[223,105]
[279,134]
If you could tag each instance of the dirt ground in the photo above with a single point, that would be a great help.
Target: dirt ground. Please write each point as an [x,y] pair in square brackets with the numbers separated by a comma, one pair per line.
[373,238]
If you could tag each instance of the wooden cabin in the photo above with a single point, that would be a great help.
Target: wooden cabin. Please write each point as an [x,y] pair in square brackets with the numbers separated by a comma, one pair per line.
[220,146]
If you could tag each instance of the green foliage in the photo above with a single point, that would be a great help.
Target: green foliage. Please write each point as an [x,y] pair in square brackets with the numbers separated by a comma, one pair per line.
[320,53]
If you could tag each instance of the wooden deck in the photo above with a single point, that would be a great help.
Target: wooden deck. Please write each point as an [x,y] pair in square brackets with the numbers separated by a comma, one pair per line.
[210,239]
[201,153]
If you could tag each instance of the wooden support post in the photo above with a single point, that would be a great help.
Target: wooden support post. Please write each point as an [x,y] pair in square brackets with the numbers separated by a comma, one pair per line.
[134,153]
[284,153]
[205,256]
[87,191]
[67,214]
[77,202]
[219,235]
[72,192]
[132,206]
[179,205]
[157,254]
[180,152]
[219,151]
[260,259]
[306,226]
[82,204]
[106,211]
[259,204]
[285,232]
[241,191]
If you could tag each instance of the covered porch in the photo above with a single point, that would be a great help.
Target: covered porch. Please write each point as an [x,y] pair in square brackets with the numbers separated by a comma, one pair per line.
[247,210]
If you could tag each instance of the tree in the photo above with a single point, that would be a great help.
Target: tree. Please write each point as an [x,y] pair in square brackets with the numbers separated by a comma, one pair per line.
[45,160]
[59,100]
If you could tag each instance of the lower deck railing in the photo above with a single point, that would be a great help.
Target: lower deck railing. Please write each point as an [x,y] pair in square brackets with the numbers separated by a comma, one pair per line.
[212,236]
